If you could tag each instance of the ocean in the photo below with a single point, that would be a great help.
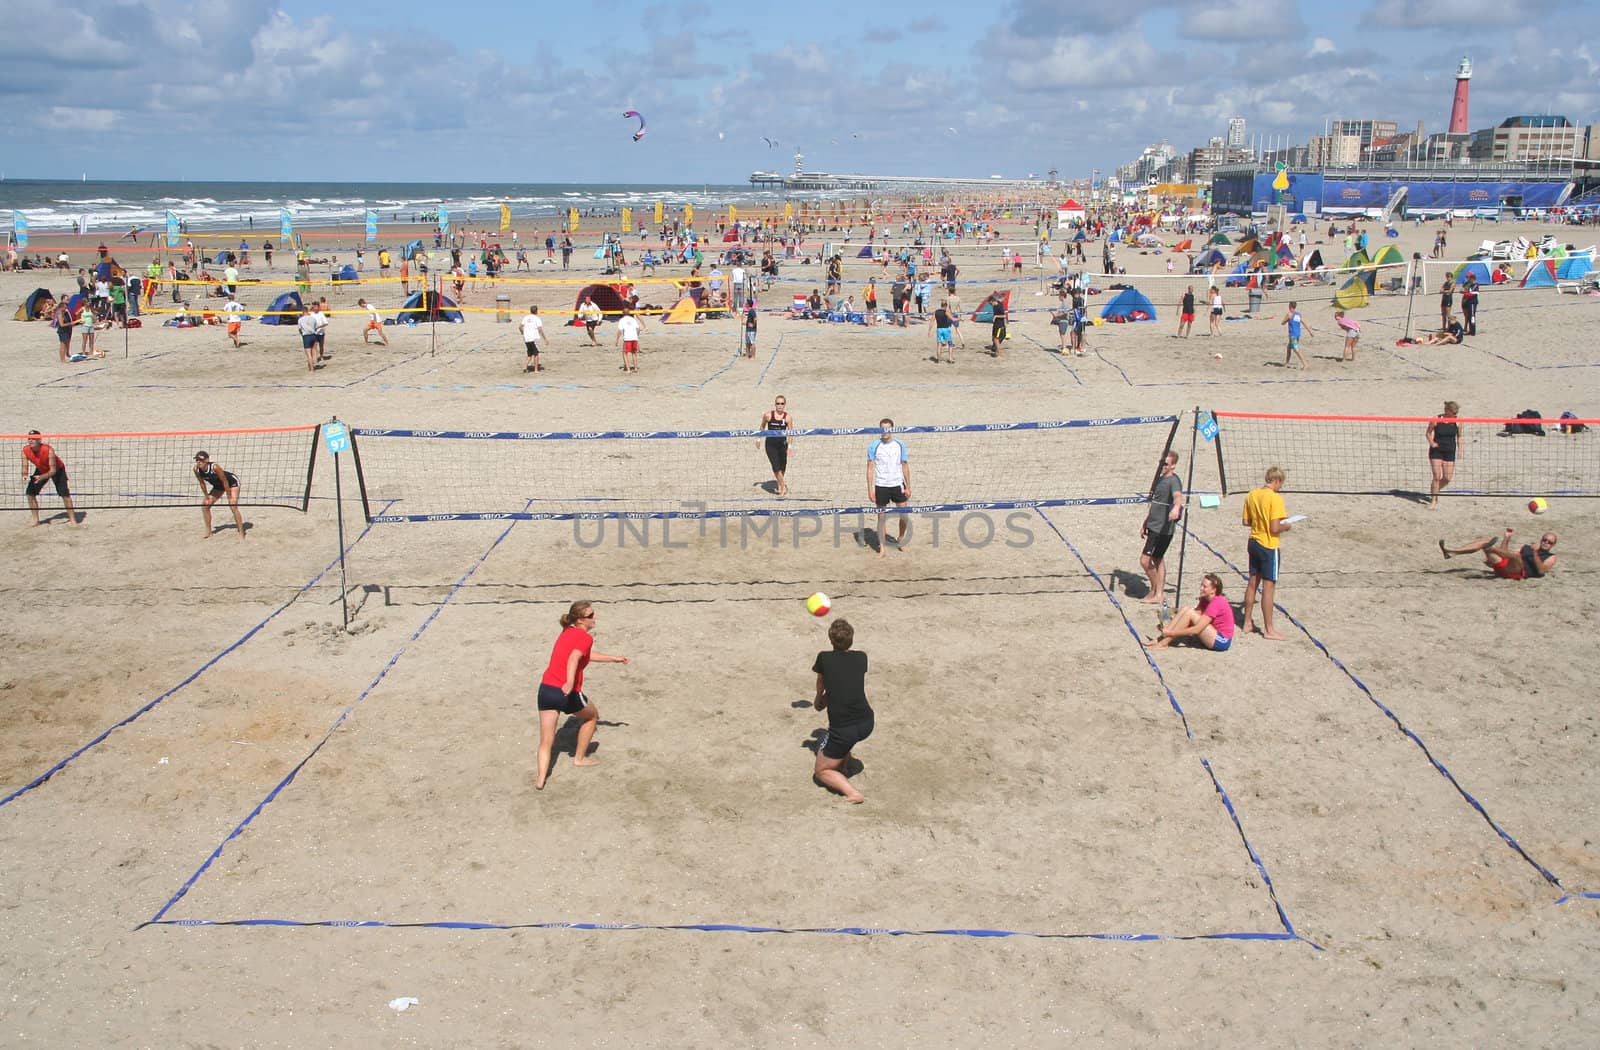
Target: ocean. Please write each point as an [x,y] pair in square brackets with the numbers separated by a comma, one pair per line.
[112,207]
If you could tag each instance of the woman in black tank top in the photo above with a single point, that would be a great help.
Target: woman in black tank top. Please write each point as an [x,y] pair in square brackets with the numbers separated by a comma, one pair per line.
[777,448]
[216,483]
[1443,435]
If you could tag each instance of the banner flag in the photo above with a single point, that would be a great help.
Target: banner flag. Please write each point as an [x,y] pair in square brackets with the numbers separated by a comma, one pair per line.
[19,228]
[172,229]
[372,225]
[627,220]
[659,213]
[444,222]
[285,227]
[572,220]
[505,216]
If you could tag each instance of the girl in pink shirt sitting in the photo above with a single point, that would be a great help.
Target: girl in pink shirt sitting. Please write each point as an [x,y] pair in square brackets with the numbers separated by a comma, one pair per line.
[1209,623]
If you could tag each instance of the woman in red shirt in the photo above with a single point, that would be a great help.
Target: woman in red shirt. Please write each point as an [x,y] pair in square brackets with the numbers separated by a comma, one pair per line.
[561,688]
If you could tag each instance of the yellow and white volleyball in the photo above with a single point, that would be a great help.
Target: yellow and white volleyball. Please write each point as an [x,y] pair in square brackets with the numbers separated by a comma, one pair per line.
[819,604]
[1538,505]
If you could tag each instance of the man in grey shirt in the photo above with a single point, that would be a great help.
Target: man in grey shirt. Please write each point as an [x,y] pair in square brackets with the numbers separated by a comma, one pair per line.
[1166,507]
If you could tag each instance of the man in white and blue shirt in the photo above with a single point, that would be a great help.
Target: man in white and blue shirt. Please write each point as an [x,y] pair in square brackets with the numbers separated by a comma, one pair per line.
[888,479]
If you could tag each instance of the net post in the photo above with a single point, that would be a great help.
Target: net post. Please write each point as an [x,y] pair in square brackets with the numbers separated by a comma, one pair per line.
[1411,288]
[1222,473]
[361,479]
[338,502]
[311,469]
[1183,519]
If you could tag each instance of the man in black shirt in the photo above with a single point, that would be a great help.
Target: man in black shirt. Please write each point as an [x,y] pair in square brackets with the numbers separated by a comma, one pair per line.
[842,692]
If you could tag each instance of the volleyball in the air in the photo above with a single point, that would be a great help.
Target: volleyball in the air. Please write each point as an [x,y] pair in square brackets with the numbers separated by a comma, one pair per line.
[819,604]
[1538,505]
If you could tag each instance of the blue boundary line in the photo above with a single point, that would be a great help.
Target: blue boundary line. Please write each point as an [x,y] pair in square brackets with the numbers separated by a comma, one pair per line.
[337,722]
[1227,803]
[768,366]
[1056,356]
[1578,897]
[1404,729]
[203,668]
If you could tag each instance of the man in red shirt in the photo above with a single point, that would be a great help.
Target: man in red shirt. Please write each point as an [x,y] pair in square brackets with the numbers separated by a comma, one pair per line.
[39,465]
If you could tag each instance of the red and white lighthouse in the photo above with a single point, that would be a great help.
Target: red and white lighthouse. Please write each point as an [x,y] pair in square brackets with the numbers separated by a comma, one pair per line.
[1458,108]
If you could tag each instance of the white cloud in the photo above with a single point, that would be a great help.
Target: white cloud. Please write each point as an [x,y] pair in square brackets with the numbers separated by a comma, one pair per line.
[1241,21]
[1323,46]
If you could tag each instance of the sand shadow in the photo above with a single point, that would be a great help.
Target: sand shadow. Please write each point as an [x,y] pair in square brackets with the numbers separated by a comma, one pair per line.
[1134,585]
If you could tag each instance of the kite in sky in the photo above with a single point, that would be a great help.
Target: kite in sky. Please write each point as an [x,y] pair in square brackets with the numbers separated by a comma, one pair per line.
[637,135]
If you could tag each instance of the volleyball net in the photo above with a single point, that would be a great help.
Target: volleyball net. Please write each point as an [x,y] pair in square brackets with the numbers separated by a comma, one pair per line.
[1364,455]
[131,470]
[459,475]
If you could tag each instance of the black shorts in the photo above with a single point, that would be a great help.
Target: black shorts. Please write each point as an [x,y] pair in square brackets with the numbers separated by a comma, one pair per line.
[885,495]
[59,478]
[551,698]
[778,454]
[220,489]
[591,326]
[1444,455]
[1263,562]
[841,739]
[533,349]
[1155,545]
[64,334]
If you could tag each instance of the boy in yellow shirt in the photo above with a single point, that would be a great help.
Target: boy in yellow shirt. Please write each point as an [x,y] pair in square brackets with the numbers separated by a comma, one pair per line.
[1266,516]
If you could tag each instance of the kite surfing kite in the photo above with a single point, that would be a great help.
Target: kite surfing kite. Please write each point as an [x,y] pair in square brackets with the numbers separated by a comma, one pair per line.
[637,135]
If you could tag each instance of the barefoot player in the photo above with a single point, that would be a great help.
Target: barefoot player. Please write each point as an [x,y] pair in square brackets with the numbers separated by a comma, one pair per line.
[842,692]
[216,483]
[40,464]
[561,688]
[888,479]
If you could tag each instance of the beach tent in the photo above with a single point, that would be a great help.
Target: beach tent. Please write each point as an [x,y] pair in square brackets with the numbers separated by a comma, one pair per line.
[1389,254]
[1069,212]
[682,312]
[1238,277]
[1247,246]
[1542,274]
[985,312]
[1315,262]
[1353,294]
[278,312]
[39,300]
[1080,236]
[731,235]
[606,296]
[1129,305]
[347,274]
[1208,260]
[1476,269]
[1357,258]
[419,308]
[76,304]
[1149,240]
[410,251]
[1219,238]
[1571,268]
[865,252]
[1183,245]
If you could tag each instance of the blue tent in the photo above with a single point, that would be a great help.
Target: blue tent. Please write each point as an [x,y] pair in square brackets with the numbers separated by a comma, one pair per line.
[347,273]
[985,314]
[284,305]
[1573,267]
[1080,236]
[1239,276]
[1129,305]
[31,305]
[410,251]
[1477,269]
[1208,260]
[420,305]
[865,252]
[1541,275]
[220,258]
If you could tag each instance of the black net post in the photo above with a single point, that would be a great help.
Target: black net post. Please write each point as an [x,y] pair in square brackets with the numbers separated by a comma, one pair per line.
[1183,519]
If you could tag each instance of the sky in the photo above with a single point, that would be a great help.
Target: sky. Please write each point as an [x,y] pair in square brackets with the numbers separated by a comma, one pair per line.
[402,90]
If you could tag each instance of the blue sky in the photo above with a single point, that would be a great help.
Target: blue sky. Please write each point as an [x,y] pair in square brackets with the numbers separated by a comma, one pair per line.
[405,90]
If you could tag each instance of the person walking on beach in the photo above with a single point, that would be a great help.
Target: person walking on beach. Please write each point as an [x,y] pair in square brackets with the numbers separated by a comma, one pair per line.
[591,316]
[628,339]
[750,323]
[776,446]
[1267,519]
[1443,434]
[943,334]
[566,253]
[561,689]
[40,464]
[841,691]
[1216,310]
[1186,313]
[1160,523]
[997,324]
[532,334]
[1297,327]
[1527,562]
[307,326]
[214,484]
[266,252]
[235,315]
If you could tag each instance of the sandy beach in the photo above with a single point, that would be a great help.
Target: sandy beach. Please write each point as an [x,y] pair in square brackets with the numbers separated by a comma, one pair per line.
[1191,848]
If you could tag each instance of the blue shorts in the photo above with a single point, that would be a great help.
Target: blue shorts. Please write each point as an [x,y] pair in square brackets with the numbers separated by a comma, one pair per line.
[1222,645]
[1263,562]
[946,337]
[1294,342]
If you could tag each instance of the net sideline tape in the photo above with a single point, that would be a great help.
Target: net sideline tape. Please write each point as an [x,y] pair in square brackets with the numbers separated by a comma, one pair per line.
[1398,419]
[203,668]
[334,728]
[164,433]
[1227,803]
[1400,725]
[650,435]
[756,512]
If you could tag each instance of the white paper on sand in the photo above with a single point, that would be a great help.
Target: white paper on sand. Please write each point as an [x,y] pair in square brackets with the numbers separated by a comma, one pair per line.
[404,1003]
[1297,519]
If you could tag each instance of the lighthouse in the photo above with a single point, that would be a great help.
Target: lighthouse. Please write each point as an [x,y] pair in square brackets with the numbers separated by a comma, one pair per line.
[1458,108]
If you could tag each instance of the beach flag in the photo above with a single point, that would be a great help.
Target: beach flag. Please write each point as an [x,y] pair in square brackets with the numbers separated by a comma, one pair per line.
[505,216]
[688,214]
[444,221]
[733,214]
[172,229]
[19,228]
[659,213]
[572,220]
[627,220]
[285,226]
[372,225]
[83,222]
[788,210]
